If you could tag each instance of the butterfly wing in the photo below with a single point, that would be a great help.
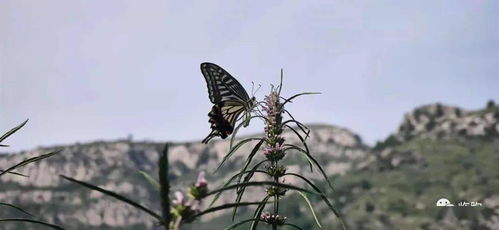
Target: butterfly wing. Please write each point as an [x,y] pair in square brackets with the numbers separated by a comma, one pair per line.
[229,98]
[223,119]
[221,85]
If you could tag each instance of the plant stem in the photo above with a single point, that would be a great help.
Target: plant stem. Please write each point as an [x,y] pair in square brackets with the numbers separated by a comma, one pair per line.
[276,198]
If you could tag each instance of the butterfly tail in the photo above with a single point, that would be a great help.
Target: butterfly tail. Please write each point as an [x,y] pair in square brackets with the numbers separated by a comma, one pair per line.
[209,137]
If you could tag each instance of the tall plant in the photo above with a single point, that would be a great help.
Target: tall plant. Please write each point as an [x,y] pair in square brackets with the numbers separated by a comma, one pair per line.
[274,149]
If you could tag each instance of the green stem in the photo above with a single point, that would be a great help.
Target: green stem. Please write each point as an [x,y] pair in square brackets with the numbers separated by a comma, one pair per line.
[276,198]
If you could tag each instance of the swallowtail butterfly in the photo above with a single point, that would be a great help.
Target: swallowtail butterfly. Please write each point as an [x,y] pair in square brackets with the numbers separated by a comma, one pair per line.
[229,100]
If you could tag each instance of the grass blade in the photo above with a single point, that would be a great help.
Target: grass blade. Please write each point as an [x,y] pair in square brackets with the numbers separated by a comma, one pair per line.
[231,179]
[12,131]
[307,152]
[262,183]
[300,150]
[323,196]
[32,221]
[15,173]
[234,133]
[311,209]
[165,186]
[151,180]
[297,95]
[234,149]
[258,213]
[250,157]
[114,195]
[17,208]
[224,206]
[247,178]
[28,161]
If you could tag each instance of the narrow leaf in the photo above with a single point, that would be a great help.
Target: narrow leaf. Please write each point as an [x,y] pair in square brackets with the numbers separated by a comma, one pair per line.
[261,183]
[258,213]
[15,173]
[32,221]
[12,131]
[17,208]
[114,195]
[297,95]
[224,206]
[165,186]
[234,149]
[307,152]
[300,150]
[231,179]
[151,180]
[241,190]
[234,133]
[311,208]
[28,161]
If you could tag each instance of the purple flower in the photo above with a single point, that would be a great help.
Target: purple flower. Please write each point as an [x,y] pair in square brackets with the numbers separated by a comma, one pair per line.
[273,219]
[179,198]
[194,205]
[201,182]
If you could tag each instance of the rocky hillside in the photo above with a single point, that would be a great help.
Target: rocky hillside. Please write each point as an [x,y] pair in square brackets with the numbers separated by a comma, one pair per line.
[114,165]
[437,120]
[438,152]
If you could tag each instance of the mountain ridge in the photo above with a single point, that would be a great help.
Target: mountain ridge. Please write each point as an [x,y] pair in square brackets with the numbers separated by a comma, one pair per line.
[355,166]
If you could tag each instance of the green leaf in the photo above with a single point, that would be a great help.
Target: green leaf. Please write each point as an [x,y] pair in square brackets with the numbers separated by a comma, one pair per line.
[301,126]
[323,196]
[261,183]
[224,206]
[231,179]
[311,209]
[114,195]
[307,152]
[297,95]
[250,157]
[164,181]
[28,161]
[234,149]
[247,178]
[280,83]
[234,133]
[300,150]
[17,208]
[32,221]
[12,131]
[151,180]
[15,173]
[258,213]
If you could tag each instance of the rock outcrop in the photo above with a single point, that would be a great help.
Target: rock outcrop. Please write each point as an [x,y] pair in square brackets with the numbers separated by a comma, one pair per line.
[113,165]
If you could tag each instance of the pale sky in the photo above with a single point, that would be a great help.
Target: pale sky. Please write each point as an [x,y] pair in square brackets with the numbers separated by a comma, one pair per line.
[93,70]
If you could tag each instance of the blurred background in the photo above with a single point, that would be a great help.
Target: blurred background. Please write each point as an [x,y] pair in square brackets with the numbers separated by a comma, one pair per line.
[407,113]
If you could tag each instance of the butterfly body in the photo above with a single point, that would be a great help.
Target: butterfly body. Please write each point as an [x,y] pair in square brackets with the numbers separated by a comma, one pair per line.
[229,100]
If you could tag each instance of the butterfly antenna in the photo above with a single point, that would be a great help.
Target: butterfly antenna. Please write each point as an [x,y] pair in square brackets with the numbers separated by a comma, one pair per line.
[259,86]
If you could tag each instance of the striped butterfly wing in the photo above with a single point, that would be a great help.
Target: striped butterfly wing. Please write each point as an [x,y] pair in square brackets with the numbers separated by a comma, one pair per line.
[222,86]
[229,98]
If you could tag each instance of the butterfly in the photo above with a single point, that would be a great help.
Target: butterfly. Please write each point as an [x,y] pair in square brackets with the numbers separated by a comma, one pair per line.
[229,99]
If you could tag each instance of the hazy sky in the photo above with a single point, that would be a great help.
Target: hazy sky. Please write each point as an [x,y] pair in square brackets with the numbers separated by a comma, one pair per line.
[87,70]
